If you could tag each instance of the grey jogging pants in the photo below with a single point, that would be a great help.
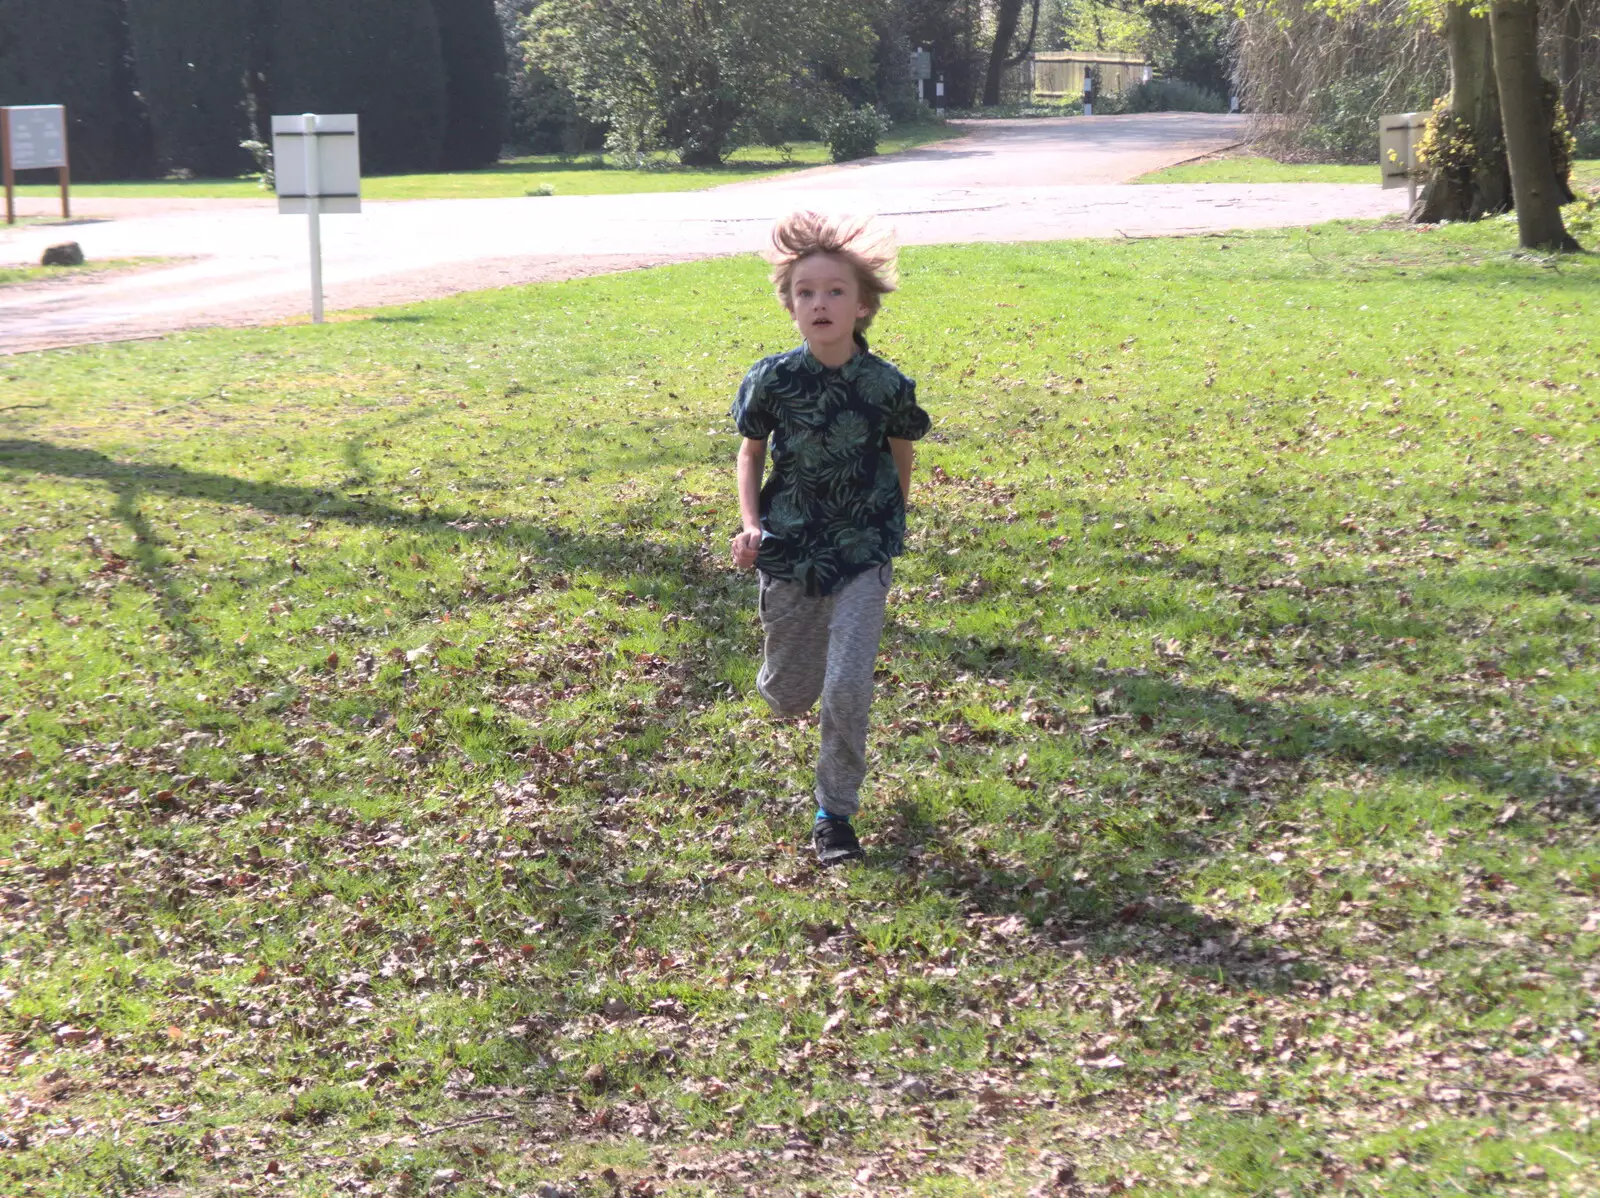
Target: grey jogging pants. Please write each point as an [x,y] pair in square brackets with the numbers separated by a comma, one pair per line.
[826,646]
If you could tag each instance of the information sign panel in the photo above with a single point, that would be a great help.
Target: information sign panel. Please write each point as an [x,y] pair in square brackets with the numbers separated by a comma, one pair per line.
[318,159]
[38,137]
[33,137]
[921,65]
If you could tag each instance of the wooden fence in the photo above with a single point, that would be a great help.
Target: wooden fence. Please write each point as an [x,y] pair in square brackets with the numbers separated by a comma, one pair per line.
[1058,74]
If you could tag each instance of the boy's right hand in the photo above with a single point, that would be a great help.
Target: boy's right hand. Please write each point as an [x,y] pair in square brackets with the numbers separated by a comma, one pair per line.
[745,546]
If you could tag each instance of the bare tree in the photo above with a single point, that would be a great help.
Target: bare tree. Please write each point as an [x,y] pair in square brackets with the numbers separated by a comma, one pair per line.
[1570,56]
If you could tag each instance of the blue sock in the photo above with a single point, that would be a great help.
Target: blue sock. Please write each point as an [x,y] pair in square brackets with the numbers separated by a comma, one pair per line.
[824,813]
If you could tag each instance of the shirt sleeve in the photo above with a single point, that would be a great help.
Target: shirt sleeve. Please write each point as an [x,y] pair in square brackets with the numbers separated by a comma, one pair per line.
[752,409]
[907,421]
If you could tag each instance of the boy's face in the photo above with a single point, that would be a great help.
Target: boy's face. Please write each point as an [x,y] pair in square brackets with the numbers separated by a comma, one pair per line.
[825,301]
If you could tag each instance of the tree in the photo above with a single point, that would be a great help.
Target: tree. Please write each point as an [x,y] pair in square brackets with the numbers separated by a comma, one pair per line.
[191,57]
[380,59]
[1188,44]
[1526,115]
[75,52]
[685,74]
[1571,60]
[952,31]
[1008,16]
[474,53]
[1463,150]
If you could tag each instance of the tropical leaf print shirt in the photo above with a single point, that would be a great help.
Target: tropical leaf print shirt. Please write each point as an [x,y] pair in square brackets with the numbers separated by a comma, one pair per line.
[831,507]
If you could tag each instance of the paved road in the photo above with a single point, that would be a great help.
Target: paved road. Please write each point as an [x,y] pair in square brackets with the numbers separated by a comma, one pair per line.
[1006,181]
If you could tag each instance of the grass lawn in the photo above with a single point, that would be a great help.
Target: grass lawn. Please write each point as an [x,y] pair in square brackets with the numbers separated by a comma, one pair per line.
[385,807]
[35,274]
[1261,170]
[589,174]
[1266,170]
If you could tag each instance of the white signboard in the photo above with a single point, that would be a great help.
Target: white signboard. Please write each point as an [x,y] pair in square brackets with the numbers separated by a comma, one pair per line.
[1398,136]
[38,136]
[317,157]
[317,163]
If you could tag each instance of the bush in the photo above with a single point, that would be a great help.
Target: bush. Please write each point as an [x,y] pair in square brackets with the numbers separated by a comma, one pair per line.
[1586,139]
[854,132]
[377,58]
[1030,108]
[1162,95]
[192,58]
[1343,116]
[75,52]
[472,45]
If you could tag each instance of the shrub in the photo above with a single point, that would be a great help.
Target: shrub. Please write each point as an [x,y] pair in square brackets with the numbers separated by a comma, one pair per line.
[75,52]
[192,58]
[1343,116]
[378,58]
[1029,108]
[472,45]
[1162,95]
[1586,139]
[853,133]
[261,151]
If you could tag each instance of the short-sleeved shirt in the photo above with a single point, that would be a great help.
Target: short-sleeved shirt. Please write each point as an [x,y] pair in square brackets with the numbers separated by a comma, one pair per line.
[831,507]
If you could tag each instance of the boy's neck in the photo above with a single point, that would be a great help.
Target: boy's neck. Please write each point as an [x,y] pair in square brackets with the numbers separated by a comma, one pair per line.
[834,355]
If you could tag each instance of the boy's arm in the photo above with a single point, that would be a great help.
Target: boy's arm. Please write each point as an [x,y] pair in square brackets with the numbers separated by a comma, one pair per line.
[904,453]
[752,462]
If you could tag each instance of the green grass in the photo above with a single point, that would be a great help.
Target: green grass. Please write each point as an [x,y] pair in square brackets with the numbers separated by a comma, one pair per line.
[1262,170]
[384,803]
[1246,169]
[35,274]
[590,174]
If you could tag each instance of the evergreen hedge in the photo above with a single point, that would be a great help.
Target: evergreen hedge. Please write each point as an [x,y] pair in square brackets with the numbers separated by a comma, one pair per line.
[380,59]
[191,57]
[474,50]
[75,52]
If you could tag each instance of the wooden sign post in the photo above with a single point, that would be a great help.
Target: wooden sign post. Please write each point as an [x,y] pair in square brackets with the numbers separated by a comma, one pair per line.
[34,137]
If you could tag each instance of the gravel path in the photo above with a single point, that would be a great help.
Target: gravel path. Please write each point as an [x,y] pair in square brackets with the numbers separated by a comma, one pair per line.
[1006,181]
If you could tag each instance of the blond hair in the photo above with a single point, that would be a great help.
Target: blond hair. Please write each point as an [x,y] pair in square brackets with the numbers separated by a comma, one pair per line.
[868,249]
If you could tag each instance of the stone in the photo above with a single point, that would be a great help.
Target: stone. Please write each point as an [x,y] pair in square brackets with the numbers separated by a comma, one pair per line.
[68,253]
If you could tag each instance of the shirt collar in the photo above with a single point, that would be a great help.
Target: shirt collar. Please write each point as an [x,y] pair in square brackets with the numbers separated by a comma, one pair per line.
[849,368]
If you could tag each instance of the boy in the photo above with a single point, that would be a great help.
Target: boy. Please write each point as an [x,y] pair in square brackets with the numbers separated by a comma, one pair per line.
[824,530]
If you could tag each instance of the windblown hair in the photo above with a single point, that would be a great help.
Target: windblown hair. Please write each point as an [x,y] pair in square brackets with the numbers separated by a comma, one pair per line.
[869,249]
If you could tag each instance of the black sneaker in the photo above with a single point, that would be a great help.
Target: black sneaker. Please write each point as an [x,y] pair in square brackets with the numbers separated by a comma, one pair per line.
[835,842]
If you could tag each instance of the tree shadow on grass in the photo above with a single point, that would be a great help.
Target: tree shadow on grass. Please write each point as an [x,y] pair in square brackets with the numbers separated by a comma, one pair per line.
[620,551]
[1218,761]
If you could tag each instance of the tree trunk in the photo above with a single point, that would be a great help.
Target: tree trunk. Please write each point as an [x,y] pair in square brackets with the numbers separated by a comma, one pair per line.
[1534,186]
[1467,174]
[1572,97]
[1005,28]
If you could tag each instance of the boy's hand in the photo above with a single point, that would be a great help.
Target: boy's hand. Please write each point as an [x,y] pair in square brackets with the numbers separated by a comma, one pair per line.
[746,545]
